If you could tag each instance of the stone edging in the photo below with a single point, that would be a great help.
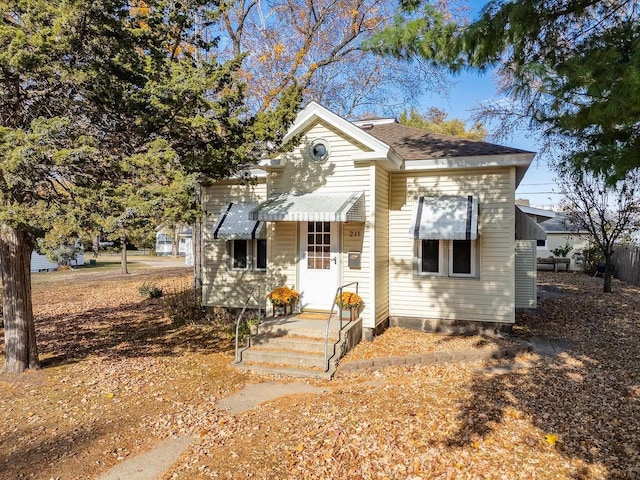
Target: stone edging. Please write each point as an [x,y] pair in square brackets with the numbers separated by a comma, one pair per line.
[432,358]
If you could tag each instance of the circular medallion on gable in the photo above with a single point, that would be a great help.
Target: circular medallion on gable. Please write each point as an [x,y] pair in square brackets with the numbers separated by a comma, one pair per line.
[319,150]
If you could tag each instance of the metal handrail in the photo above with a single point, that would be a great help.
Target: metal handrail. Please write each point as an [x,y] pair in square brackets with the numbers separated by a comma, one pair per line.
[326,331]
[259,287]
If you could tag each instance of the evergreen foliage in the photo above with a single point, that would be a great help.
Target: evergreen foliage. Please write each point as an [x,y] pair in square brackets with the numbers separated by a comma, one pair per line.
[111,115]
[573,66]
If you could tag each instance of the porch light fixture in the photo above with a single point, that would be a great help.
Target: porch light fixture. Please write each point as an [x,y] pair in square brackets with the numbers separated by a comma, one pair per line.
[318,150]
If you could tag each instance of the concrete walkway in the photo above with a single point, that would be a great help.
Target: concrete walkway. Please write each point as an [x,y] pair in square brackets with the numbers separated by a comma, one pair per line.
[154,463]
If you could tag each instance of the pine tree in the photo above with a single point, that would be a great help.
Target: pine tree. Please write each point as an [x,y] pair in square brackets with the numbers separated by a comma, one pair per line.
[87,88]
[573,67]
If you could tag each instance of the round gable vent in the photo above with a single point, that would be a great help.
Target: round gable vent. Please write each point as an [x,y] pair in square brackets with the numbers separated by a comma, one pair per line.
[319,150]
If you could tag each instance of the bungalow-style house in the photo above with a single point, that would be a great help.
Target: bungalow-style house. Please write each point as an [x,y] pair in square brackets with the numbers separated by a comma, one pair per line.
[424,223]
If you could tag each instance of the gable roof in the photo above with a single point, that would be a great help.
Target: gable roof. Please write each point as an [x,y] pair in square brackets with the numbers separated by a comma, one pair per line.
[399,147]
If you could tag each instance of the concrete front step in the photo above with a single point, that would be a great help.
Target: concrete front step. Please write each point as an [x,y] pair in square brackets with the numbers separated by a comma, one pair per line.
[289,343]
[293,359]
[290,371]
[299,327]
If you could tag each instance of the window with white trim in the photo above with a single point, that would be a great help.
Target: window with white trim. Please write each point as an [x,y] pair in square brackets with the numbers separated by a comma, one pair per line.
[453,258]
[248,254]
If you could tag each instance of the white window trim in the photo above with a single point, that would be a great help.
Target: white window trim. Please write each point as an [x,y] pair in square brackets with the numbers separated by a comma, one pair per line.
[440,271]
[472,274]
[445,262]
[542,247]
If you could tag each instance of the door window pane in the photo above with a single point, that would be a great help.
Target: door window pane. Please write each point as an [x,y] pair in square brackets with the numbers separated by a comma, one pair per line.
[318,245]
[430,256]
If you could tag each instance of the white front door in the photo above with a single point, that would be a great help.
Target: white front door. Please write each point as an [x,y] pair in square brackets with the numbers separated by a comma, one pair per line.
[319,270]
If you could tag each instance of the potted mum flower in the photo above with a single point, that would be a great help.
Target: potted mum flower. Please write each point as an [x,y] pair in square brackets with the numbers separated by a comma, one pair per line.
[283,299]
[350,302]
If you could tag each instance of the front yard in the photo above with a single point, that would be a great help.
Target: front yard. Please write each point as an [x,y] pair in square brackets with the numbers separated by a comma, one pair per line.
[118,376]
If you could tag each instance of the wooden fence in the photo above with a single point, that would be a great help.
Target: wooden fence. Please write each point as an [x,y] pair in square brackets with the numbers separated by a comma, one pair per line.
[626,261]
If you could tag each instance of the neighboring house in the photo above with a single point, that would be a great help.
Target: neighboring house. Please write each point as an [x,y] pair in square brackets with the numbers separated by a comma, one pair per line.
[425,223]
[561,230]
[165,238]
[40,263]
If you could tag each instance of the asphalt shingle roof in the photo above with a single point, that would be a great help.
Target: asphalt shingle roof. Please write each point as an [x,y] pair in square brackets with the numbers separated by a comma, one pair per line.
[415,144]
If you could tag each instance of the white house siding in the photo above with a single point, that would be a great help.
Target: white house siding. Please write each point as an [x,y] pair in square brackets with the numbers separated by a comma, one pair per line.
[221,285]
[488,298]
[381,245]
[526,278]
[40,263]
[336,175]
[560,239]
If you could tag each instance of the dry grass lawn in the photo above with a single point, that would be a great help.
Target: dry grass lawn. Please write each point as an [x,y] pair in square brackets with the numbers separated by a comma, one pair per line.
[117,377]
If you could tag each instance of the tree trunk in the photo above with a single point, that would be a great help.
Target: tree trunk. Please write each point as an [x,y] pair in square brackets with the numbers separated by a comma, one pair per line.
[123,255]
[95,241]
[608,270]
[21,350]
[175,242]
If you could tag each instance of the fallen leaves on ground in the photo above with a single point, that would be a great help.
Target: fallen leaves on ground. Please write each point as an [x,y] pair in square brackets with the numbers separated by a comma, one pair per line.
[398,341]
[118,377]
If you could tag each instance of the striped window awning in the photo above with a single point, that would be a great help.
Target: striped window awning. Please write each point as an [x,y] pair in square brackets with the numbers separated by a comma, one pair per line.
[234,223]
[445,217]
[312,207]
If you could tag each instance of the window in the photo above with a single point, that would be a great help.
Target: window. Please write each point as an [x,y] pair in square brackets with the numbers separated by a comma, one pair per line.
[318,245]
[462,258]
[541,243]
[459,262]
[239,260]
[261,254]
[430,255]
[163,239]
[248,254]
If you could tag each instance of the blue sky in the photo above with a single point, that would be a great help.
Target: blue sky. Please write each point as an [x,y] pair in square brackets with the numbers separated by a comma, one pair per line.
[467,91]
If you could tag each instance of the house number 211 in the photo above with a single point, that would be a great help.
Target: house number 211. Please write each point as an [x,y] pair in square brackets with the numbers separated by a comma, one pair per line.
[355,233]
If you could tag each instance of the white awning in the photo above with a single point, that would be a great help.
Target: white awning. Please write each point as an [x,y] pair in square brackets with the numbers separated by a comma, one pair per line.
[312,207]
[234,223]
[445,218]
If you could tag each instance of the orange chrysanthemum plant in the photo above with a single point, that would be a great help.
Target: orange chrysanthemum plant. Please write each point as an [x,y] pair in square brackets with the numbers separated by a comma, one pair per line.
[349,300]
[283,296]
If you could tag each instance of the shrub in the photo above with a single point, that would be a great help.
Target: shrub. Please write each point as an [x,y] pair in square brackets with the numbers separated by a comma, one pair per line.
[562,252]
[150,289]
[588,259]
